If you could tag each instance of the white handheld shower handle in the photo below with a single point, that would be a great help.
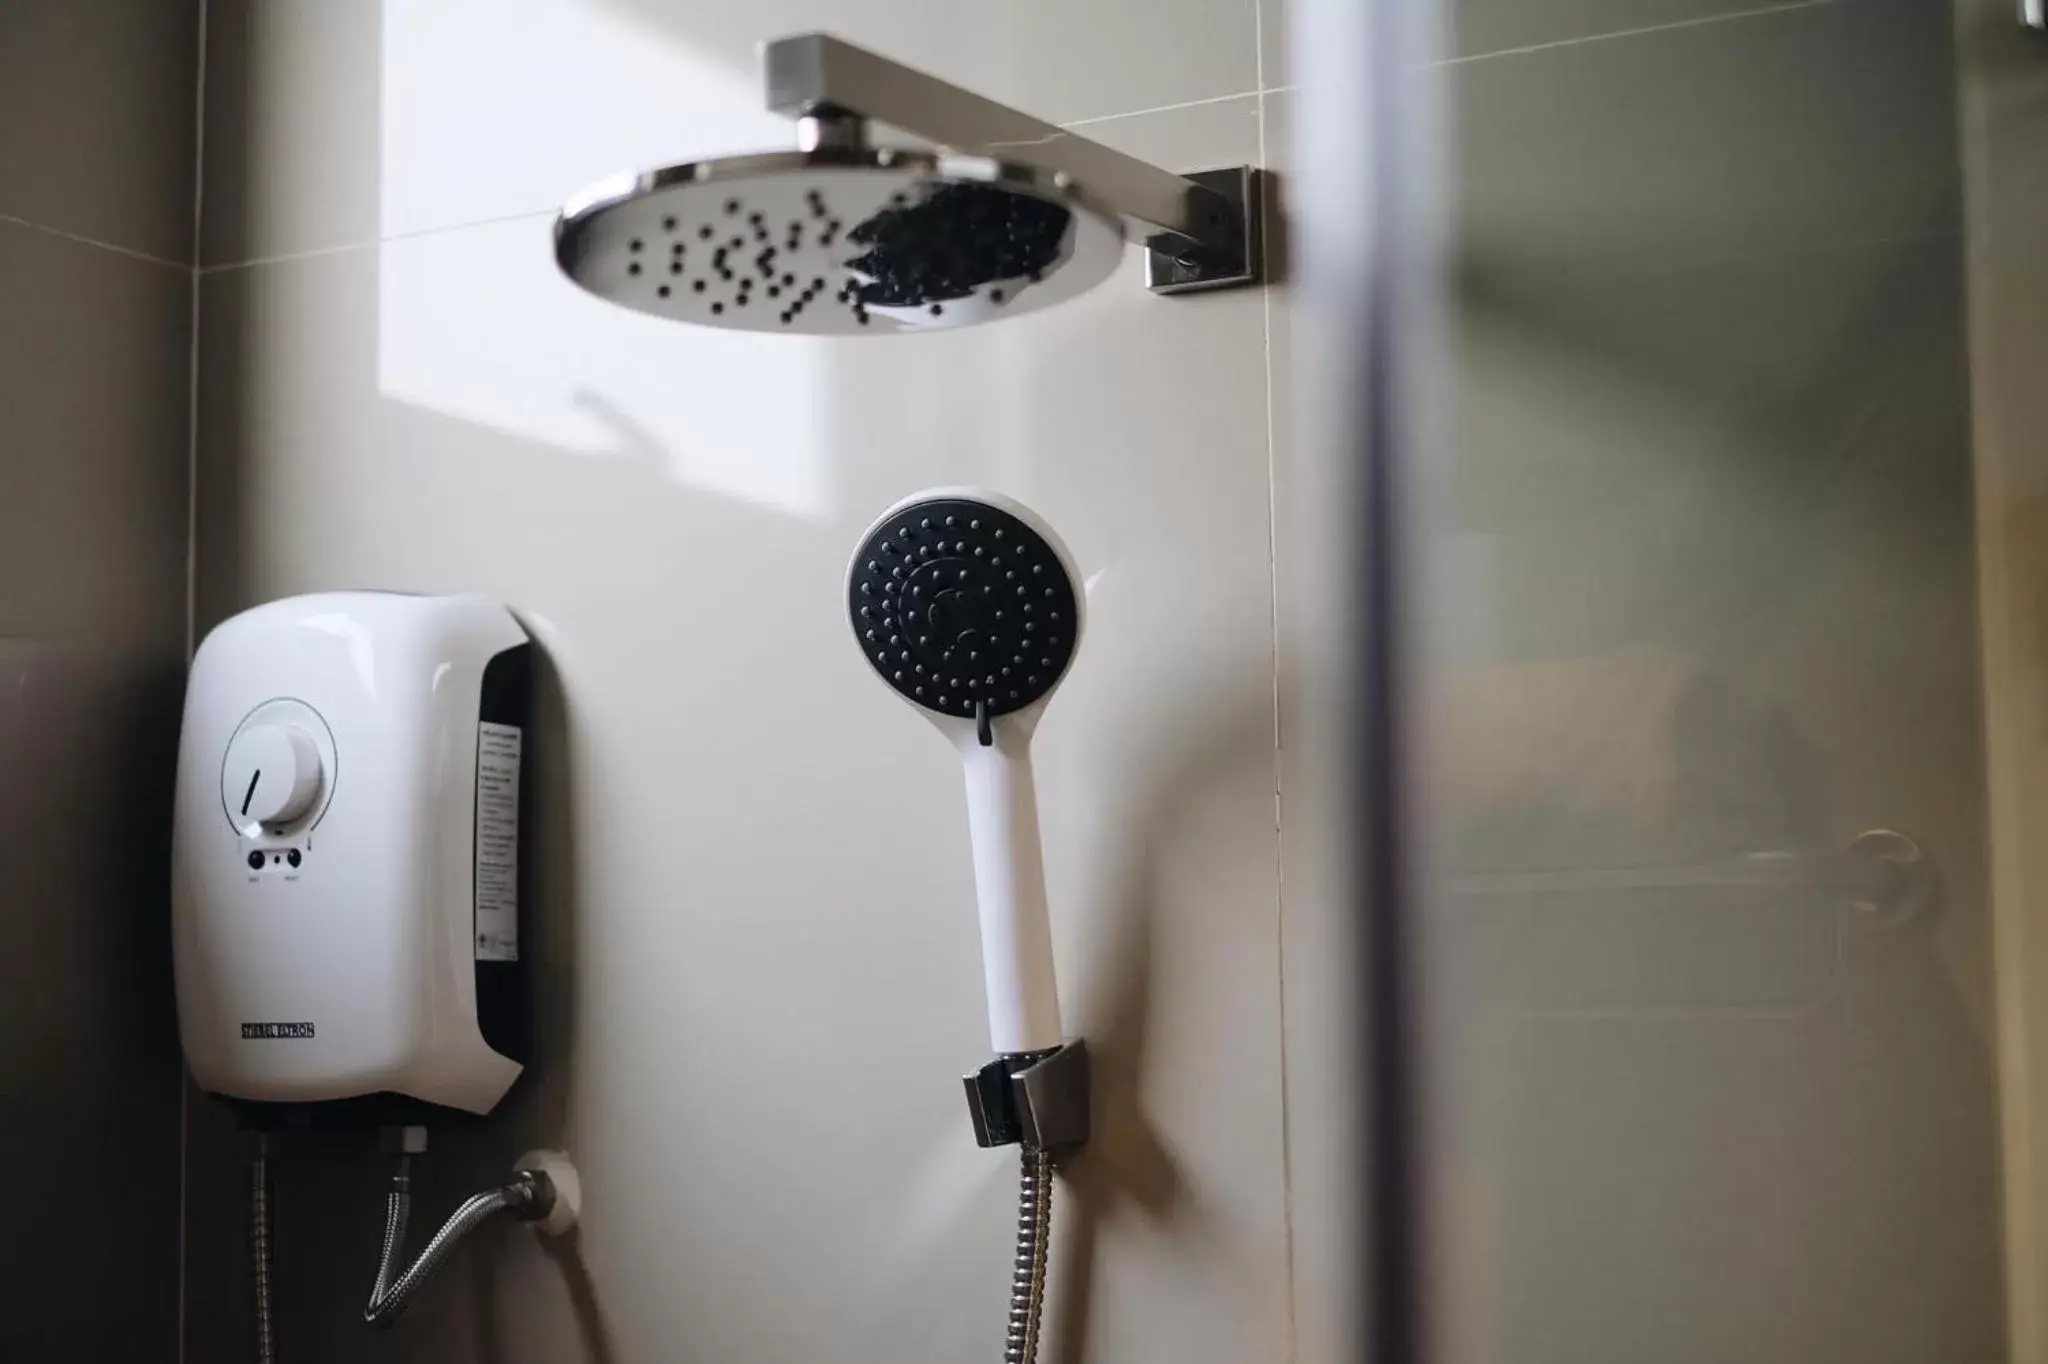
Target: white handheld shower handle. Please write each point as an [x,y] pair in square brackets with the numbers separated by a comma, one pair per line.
[1009,884]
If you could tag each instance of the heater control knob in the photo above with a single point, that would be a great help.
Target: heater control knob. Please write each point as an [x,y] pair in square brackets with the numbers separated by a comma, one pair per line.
[272,775]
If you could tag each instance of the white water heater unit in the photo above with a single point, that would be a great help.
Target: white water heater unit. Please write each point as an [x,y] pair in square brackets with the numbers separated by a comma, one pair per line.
[346,869]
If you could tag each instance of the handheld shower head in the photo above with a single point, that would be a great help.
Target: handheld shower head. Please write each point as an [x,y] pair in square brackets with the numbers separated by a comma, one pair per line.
[969,607]
[965,603]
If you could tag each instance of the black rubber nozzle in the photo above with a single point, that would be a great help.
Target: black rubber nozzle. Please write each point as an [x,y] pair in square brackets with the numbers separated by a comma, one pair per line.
[976,615]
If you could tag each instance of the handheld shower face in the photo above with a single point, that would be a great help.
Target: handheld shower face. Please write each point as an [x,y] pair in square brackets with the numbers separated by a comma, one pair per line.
[968,606]
[838,241]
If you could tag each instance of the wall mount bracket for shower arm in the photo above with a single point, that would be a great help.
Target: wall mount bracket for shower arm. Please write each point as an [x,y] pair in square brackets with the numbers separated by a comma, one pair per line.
[1205,227]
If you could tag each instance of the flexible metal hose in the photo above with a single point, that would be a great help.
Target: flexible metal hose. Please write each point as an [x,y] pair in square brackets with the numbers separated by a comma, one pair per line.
[259,1251]
[390,1295]
[1034,1243]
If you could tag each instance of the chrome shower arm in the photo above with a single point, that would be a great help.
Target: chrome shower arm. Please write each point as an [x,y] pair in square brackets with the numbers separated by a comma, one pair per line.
[814,74]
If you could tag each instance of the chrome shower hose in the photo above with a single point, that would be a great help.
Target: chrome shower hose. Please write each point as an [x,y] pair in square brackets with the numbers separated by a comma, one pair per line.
[1034,1243]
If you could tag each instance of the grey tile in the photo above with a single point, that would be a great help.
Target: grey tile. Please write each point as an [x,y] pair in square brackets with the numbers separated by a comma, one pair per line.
[1811,126]
[1483,26]
[97,100]
[1698,582]
[94,386]
[1837,1203]
[1740,398]
[93,383]
[89,1068]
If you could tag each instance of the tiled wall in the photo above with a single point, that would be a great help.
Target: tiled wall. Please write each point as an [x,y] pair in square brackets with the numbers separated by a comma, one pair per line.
[762,977]
[1697,584]
[1696,568]
[96,189]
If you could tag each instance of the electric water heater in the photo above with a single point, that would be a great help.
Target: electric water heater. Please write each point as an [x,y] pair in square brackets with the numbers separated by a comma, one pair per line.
[346,868]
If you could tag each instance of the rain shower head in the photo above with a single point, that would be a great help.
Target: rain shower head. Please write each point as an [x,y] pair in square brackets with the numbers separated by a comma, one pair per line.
[839,237]
[837,241]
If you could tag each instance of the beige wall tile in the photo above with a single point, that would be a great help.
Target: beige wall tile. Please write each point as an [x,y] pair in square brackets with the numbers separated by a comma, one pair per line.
[757,857]
[93,384]
[337,125]
[89,1071]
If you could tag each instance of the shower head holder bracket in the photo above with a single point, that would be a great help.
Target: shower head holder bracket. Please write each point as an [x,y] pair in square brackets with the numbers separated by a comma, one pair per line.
[1036,1099]
[1202,231]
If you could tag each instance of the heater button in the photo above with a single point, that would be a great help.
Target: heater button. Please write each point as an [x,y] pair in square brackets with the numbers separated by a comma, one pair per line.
[271,776]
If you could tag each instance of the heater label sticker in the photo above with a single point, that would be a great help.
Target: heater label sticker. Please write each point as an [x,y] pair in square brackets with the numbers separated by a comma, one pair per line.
[276,1030]
[497,841]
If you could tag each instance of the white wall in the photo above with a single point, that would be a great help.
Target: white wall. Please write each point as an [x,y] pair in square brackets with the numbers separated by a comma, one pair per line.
[762,979]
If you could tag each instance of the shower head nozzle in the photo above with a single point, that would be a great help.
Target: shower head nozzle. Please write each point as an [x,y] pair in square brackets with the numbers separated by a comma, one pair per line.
[838,241]
[965,603]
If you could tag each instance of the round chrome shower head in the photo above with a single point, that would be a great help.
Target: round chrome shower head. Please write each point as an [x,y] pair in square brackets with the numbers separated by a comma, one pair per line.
[959,599]
[838,241]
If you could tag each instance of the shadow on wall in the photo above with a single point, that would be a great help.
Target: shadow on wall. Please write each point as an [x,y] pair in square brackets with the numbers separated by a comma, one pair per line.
[538,1112]
[1127,1172]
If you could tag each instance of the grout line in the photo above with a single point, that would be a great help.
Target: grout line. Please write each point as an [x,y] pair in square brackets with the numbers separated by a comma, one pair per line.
[191,595]
[1161,109]
[192,351]
[1761,11]
[1292,1340]
[343,248]
[1259,67]
[81,240]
